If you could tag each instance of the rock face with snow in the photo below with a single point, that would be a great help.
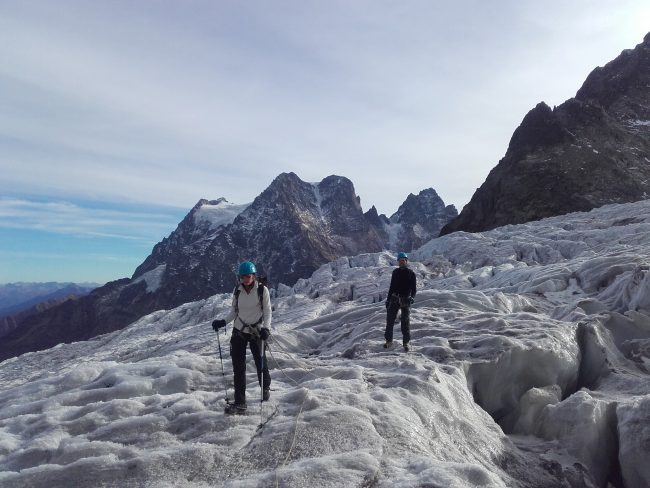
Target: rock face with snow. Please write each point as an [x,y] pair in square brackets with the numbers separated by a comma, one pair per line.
[288,231]
[418,220]
[592,150]
[530,368]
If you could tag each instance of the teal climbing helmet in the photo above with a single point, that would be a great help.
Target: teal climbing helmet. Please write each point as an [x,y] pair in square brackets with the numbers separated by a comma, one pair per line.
[402,255]
[246,268]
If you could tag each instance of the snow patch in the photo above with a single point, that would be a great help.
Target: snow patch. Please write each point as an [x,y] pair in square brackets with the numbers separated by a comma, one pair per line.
[394,232]
[319,199]
[640,122]
[152,278]
[221,214]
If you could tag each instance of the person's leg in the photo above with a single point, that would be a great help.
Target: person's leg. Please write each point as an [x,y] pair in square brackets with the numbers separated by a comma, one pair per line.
[391,315]
[261,364]
[238,355]
[406,325]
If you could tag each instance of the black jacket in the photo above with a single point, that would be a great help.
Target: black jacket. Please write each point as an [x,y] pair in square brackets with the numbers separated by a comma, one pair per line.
[402,282]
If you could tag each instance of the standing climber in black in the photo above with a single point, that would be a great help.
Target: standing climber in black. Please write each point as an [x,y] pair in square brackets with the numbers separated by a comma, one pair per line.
[400,296]
[251,312]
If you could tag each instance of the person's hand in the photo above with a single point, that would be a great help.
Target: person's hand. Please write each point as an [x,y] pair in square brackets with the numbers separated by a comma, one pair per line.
[387,303]
[264,333]
[411,300]
[218,324]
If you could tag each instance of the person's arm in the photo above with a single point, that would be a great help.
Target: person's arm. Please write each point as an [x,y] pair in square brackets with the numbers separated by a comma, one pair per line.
[232,315]
[266,308]
[413,284]
[392,285]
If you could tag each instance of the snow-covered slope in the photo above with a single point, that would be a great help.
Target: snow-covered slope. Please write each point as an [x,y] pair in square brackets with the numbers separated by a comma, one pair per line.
[530,368]
[212,215]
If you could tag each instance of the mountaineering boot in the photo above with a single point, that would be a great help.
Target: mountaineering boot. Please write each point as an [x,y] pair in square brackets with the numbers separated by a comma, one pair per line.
[266,394]
[406,346]
[235,409]
[387,344]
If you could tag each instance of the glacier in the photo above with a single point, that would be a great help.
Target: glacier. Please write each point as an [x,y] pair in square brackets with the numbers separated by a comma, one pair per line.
[530,368]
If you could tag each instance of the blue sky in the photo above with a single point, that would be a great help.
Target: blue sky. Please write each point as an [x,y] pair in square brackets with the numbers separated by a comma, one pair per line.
[116,117]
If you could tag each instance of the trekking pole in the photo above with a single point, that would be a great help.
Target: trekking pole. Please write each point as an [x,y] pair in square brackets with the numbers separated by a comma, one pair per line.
[261,381]
[225,387]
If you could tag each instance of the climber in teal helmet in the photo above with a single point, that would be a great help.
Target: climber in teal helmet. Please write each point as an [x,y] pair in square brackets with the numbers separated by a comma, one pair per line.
[400,297]
[251,313]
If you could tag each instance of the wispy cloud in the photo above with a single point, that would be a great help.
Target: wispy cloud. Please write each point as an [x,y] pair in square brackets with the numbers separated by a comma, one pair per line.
[173,101]
[71,219]
[116,117]
[62,257]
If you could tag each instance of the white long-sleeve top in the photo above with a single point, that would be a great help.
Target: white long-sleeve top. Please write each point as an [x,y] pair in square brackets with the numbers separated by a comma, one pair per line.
[249,309]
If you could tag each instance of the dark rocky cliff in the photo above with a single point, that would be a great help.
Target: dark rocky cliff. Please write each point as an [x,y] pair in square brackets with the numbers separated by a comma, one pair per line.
[592,150]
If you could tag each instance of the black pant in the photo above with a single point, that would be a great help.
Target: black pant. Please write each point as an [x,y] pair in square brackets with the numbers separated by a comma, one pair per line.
[238,343]
[391,315]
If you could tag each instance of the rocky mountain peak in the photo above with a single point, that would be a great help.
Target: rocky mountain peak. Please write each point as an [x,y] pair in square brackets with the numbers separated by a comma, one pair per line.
[205,218]
[375,219]
[419,219]
[283,187]
[426,204]
[626,76]
[540,127]
[288,231]
[310,223]
[591,150]
[285,179]
[338,199]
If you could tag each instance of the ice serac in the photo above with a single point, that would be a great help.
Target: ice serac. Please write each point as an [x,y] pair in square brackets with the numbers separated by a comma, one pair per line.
[592,150]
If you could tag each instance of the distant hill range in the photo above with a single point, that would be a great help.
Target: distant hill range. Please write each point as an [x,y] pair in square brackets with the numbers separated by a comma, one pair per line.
[592,150]
[20,300]
[288,231]
[16,297]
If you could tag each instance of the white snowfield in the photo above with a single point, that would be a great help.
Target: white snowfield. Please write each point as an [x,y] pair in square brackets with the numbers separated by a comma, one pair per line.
[530,368]
[212,216]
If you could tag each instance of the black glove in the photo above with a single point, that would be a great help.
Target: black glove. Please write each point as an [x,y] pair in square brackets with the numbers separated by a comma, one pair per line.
[387,303]
[411,300]
[264,333]
[218,324]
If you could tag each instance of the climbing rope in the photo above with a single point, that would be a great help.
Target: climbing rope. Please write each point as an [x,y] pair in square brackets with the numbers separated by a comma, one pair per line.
[425,440]
[302,405]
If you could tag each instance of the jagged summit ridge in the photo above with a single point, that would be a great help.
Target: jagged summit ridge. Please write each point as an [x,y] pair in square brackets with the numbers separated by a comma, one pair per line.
[289,230]
[418,220]
[294,226]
